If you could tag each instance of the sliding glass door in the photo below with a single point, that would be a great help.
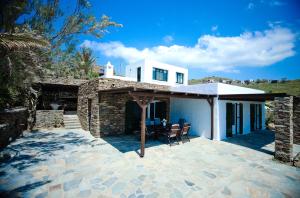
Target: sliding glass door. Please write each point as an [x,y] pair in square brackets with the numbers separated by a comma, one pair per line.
[234,119]
[255,117]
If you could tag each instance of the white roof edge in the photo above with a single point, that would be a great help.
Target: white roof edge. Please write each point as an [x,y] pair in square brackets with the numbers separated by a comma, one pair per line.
[216,89]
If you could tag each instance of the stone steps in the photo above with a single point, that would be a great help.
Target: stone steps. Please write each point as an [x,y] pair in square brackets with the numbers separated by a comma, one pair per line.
[72,122]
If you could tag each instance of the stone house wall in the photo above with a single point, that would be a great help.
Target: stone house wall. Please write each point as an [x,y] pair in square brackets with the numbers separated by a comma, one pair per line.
[12,123]
[107,110]
[112,108]
[296,115]
[89,92]
[49,119]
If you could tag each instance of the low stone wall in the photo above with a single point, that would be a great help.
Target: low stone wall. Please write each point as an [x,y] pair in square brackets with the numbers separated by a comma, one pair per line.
[12,123]
[49,119]
[296,106]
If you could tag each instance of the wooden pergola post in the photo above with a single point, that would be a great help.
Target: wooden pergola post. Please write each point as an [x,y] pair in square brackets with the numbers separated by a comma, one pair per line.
[143,130]
[143,103]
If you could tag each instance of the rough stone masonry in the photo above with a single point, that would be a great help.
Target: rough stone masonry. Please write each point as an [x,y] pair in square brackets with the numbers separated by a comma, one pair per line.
[107,110]
[283,118]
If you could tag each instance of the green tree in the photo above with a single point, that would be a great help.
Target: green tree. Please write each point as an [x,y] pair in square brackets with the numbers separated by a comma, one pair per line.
[63,35]
[85,62]
[28,25]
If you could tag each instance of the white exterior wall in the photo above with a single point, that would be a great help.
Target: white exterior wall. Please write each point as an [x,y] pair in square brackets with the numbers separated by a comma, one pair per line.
[147,70]
[220,130]
[195,111]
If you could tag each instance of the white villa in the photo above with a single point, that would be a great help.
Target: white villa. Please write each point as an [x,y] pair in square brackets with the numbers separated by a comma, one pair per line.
[236,110]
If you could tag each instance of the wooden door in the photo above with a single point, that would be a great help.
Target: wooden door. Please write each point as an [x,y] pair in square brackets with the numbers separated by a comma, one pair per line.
[252,117]
[132,117]
[241,118]
[229,119]
[259,116]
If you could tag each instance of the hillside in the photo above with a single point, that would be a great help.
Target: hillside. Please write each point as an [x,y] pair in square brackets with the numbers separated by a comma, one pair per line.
[291,87]
[203,80]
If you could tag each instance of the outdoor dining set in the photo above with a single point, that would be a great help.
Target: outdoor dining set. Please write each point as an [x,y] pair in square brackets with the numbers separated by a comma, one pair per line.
[157,129]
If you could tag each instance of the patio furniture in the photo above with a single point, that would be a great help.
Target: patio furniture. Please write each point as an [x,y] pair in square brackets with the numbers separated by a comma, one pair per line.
[173,132]
[150,131]
[148,122]
[157,121]
[185,132]
[181,122]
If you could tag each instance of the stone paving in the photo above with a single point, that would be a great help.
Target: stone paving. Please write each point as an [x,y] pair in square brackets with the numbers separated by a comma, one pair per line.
[61,163]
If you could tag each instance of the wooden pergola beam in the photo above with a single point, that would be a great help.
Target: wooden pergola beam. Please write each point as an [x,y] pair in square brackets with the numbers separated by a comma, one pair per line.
[143,103]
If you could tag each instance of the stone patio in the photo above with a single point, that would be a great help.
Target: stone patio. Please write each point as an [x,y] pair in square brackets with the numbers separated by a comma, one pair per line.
[74,164]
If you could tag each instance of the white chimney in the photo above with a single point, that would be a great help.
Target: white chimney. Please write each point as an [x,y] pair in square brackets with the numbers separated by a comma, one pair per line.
[109,70]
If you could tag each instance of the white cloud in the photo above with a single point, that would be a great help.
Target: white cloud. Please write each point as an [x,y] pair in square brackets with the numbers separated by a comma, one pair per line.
[272,3]
[214,28]
[276,3]
[168,39]
[250,6]
[212,53]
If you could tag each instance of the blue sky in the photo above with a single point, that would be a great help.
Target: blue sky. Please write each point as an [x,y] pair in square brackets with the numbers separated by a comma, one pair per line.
[239,39]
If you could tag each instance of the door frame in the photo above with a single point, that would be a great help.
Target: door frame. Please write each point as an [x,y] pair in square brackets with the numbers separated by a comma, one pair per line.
[234,116]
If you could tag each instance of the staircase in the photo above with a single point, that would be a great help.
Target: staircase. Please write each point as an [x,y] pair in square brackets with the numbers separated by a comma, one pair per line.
[72,122]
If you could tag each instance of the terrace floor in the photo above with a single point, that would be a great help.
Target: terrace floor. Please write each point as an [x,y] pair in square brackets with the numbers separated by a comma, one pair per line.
[71,163]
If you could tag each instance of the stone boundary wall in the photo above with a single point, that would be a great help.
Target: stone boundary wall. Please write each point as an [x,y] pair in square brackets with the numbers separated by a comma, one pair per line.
[12,123]
[115,106]
[283,119]
[296,120]
[49,119]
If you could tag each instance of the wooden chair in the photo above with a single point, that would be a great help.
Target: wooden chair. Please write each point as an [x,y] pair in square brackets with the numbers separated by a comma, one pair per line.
[149,131]
[185,132]
[173,133]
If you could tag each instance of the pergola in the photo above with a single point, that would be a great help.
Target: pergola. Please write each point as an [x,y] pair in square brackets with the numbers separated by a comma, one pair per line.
[144,96]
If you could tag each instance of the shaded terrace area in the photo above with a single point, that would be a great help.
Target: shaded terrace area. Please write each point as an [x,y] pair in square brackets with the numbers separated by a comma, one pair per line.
[262,141]
[143,97]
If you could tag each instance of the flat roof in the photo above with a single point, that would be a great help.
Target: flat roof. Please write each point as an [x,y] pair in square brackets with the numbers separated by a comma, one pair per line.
[216,89]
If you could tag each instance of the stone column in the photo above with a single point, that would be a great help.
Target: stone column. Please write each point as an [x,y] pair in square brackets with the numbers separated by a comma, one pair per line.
[283,118]
[296,117]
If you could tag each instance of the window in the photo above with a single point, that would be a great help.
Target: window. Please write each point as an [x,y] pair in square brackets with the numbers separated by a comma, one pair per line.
[179,78]
[160,74]
[139,74]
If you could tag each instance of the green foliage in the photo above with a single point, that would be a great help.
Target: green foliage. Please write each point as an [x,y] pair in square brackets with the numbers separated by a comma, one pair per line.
[85,62]
[63,35]
[291,87]
[45,25]
[19,41]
